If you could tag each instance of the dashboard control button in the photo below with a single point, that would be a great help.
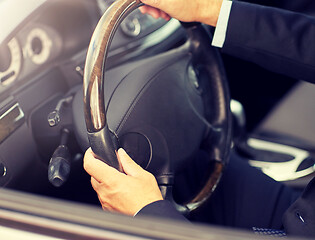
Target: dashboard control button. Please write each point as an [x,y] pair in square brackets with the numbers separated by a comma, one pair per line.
[3,170]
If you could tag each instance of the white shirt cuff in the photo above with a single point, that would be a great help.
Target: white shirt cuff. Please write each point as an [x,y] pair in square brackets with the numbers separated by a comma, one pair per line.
[220,30]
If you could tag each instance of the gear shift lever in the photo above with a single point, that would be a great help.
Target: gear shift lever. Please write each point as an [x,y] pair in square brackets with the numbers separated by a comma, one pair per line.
[60,162]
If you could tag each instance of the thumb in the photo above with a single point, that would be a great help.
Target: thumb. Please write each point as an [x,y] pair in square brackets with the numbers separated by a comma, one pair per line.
[129,166]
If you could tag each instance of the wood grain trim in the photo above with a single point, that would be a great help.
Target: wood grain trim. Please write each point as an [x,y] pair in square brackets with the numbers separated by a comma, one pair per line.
[10,120]
[93,84]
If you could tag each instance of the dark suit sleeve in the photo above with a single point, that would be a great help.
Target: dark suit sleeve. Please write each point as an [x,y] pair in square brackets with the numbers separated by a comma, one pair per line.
[278,40]
[302,6]
[163,209]
[299,219]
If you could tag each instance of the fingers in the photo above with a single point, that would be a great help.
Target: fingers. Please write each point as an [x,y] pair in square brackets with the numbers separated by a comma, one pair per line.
[95,184]
[165,16]
[97,188]
[98,169]
[153,3]
[156,8]
[129,166]
[154,12]
[143,9]
[120,192]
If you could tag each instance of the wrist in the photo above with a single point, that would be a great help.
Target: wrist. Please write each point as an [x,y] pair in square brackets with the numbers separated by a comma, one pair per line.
[209,11]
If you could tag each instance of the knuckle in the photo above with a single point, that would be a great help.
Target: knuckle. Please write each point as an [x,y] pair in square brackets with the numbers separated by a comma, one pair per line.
[85,164]
[157,3]
[149,177]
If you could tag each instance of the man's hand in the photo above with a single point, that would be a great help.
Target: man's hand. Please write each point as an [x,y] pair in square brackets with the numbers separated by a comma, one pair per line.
[204,11]
[127,192]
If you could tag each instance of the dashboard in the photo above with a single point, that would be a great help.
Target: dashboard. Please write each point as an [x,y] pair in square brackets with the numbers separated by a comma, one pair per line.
[63,29]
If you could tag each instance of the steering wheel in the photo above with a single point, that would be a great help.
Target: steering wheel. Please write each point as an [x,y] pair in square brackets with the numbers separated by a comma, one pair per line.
[162,108]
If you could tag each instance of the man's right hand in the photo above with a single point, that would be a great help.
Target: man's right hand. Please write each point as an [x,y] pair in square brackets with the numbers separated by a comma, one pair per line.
[204,11]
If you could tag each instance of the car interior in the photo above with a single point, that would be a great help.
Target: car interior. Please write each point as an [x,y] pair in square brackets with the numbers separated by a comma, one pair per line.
[43,131]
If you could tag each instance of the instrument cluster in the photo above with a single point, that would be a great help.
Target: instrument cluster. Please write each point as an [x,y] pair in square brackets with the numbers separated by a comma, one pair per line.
[29,50]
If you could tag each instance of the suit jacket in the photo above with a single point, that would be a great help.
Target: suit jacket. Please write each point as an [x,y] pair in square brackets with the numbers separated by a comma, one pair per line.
[278,40]
[164,209]
[283,42]
[298,220]
[302,6]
